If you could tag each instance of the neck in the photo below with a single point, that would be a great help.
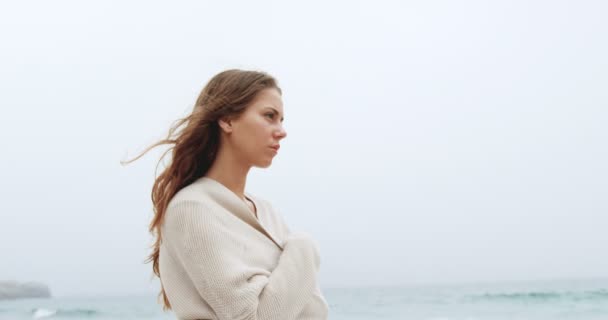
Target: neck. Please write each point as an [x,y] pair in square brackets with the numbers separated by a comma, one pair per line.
[227,170]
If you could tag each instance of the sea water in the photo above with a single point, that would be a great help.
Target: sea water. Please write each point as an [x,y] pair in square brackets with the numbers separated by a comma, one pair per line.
[573,299]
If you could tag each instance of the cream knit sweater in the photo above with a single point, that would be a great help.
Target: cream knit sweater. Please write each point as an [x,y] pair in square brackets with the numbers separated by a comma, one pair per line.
[217,261]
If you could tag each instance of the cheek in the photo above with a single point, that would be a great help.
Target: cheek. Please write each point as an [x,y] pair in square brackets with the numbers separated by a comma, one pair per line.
[253,136]
[259,130]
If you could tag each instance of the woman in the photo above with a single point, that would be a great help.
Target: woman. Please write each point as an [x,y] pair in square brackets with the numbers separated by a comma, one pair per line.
[221,252]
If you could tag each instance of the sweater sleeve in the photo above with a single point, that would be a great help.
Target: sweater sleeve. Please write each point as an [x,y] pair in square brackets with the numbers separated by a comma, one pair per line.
[211,254]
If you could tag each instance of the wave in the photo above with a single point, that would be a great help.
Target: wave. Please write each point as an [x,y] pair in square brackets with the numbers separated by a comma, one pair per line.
[542,296]
[41,313]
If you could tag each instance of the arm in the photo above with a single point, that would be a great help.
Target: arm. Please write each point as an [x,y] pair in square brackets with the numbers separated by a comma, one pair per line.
[211,254]
[317,307]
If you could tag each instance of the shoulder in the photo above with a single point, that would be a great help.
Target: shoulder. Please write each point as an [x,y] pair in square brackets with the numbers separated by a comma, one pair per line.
[194,193]
[187,216]
[190,202]
[185,194]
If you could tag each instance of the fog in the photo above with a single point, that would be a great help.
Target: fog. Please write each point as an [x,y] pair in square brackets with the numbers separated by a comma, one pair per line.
[428,141]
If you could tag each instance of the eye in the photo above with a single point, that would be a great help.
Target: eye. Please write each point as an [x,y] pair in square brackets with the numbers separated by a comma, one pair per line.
[270,114]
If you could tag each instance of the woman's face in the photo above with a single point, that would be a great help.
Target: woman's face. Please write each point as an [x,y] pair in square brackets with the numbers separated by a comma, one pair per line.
[257,133]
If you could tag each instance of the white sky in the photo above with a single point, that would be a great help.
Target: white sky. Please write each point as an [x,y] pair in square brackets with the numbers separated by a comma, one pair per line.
[428,141]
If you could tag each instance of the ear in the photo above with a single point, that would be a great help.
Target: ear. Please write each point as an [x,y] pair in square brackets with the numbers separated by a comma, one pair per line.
[225,124]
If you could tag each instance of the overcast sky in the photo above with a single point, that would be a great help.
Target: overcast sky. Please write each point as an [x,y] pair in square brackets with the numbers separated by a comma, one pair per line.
[428,141]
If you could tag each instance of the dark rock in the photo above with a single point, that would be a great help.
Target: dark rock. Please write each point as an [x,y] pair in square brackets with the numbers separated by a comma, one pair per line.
[14,290]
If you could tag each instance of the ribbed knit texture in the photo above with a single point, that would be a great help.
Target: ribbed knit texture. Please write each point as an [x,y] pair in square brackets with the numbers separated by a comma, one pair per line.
[217,261]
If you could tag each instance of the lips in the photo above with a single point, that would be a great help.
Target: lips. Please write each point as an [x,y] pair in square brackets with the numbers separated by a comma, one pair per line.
[275,147]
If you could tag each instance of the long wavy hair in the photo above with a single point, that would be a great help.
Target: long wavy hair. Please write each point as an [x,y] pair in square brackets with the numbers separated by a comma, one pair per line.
[194,143]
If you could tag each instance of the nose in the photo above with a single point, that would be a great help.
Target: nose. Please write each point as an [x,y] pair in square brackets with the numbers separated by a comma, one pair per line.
[281,133]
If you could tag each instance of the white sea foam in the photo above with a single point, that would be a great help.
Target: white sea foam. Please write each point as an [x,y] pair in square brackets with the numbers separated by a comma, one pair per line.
[43,313]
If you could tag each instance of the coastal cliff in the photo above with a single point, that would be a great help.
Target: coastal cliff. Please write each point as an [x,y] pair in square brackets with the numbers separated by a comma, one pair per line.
[14,290]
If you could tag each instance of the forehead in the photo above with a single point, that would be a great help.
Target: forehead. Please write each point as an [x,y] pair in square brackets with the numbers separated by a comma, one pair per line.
[268,98]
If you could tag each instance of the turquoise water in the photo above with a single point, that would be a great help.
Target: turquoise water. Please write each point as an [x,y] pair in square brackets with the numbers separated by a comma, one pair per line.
[584,300]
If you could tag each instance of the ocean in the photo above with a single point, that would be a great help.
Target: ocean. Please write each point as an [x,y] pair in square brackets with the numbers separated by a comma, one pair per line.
[539,300]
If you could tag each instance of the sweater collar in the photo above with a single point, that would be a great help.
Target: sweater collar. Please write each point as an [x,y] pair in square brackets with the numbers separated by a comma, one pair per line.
[235,205]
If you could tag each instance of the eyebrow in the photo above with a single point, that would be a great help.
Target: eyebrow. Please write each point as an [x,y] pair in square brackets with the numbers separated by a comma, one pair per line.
[276,112]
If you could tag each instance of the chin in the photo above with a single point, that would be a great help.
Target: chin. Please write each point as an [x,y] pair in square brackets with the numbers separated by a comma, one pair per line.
[264,164]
